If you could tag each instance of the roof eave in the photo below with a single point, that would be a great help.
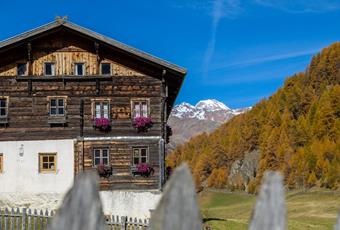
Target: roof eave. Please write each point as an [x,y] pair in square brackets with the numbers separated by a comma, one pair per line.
[128,49]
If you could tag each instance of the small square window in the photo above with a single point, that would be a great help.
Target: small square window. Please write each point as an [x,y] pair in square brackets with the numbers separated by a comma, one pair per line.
[3,107]
[47,162]
[57,107]
[79,69]
[101,109]
[140,155]
[101,156]
[22,69]
[140,108]
[49,69]
[106,68]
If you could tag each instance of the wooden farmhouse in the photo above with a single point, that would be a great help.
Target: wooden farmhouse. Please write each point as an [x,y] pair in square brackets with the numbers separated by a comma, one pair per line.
[72,100]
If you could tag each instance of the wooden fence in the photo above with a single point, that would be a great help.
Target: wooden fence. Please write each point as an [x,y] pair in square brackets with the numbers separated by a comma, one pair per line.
[27,219]
[177,209]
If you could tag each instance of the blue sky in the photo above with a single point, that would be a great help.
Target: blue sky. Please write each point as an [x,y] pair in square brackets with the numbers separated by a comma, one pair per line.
[236,51]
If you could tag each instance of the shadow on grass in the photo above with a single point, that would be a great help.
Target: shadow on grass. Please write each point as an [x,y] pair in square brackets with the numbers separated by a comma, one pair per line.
[211,219]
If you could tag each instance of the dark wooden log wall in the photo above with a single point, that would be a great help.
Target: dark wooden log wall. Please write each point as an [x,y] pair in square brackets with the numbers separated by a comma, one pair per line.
[121,161]
[28,114]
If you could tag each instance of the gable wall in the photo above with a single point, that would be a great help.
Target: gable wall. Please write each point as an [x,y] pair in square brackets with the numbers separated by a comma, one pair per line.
[64,53]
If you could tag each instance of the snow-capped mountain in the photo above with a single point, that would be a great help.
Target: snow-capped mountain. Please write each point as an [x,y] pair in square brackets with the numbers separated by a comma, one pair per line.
[210,109]
[187,120]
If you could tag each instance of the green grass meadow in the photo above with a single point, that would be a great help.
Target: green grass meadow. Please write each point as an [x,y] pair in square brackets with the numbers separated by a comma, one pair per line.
[314,209]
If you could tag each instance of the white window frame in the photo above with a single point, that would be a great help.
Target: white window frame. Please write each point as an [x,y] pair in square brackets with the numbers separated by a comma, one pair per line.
[139,150]
[140,113]
[6,107]
[101,157]
[52,68]
[57,106]
[103,113]
[76,69]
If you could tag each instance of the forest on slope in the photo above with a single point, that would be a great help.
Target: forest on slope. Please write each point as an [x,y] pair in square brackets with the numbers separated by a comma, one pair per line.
[295,131]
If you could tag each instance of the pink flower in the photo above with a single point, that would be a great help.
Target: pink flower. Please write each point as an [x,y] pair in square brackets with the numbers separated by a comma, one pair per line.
[102,123]
[142,123]
[143,167]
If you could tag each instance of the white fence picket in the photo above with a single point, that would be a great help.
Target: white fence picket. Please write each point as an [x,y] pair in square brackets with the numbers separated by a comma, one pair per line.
[35,219]
[5,219]
[12,218]
[28,219]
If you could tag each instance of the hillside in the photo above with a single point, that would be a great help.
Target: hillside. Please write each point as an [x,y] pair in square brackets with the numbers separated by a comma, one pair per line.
[296,131]
[187,120]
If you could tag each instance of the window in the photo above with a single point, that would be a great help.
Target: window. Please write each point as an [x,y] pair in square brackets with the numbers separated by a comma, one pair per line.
[47,162]
[140,155]
[22,69]
[1,162]
[101,156]
[101,109]
[140,108]
[79,69]
[3,107]
[57,107]
[106,68]
[49,69]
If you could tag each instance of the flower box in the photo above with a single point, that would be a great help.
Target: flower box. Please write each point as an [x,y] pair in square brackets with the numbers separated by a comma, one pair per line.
[104,170]
[103,124]
[142,169]
[142,124]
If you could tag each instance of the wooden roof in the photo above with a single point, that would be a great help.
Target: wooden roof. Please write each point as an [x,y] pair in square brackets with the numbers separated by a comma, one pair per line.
[63,23]
[174,73]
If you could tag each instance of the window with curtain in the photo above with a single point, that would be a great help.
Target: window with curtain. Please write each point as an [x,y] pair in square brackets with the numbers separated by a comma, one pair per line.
[140,108]
[102,109]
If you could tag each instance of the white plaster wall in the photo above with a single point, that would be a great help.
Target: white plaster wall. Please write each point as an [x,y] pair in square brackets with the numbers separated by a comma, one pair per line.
[21,173]
[130,203]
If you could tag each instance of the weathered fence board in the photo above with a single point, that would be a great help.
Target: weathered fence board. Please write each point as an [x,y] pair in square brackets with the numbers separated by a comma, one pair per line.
[81,208]
[178,207]
[337,225]
[270,208]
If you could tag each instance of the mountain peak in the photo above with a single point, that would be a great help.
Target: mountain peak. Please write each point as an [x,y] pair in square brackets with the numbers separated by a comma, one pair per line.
[211,104]
[209,109]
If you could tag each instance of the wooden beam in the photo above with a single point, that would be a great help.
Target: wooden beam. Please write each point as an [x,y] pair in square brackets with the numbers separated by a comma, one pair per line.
[63,78]
[29,87]
[97,87]
[29,58]
[96,46]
